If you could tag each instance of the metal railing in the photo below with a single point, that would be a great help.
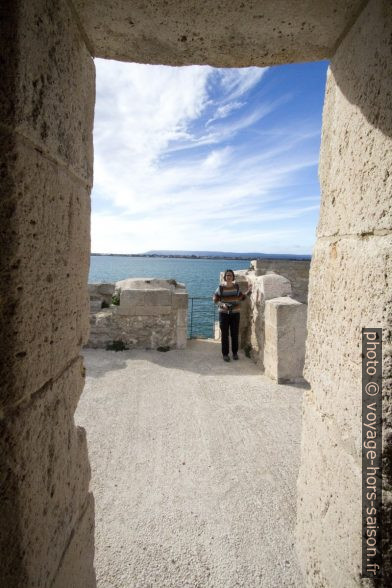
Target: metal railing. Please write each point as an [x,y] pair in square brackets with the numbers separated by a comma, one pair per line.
[202,314]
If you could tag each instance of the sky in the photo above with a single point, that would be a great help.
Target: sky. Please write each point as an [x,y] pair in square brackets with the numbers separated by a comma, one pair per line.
[200,158]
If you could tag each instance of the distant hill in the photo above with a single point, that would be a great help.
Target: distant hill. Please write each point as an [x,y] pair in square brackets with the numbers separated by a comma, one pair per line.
[225,254]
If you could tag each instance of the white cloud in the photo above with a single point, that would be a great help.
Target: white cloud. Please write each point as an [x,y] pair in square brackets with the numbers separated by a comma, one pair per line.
[163,180]
[237,82]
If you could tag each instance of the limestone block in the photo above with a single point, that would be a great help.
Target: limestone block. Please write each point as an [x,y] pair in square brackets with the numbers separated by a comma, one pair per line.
[329,498]
[147,283]
[105,289]
[44,461]
[158,297]
[130,298]
[356,151]
[285,336]
[180,299]
[77,565]
[101,292]
[92,290]
[136,331]
[144,310]
[182,317]
[181,337]
[95,305]
[50,99]
[43,272]
[296,271]
[273,286]
[221,34]
[103,328]
[349,289]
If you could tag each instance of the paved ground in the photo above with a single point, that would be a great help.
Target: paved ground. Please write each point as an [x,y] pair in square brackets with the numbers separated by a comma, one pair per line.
[194,467]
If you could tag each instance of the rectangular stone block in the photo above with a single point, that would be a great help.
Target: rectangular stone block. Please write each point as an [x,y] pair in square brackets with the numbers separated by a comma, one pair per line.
[45,478]
[273,286]
[158,297]
[131,298]
[44,265]
[180,299]
[285,336]
[50,89]
[296,271]
[148,298]
[356,150]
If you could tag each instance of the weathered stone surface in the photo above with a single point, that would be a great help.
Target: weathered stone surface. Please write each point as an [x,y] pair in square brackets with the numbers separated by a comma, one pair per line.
[77,565]
[182,317]
[101,292]
[180,299]
[329,505]
[285,337]
[158,297]
[357,126]
[296,271]
[272,286]
[152,283]
[349,289]
[144,332]
[144,310]
[131,298]
[224,35]
[152,313]
[49,93]
[46,108]
[43,272]
[45,478]
[263,288]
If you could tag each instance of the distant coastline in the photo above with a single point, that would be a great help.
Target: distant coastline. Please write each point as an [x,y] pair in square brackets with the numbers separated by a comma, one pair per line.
[217,255]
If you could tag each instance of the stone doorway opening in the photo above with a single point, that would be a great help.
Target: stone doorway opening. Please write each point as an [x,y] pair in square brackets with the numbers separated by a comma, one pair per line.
[47,103]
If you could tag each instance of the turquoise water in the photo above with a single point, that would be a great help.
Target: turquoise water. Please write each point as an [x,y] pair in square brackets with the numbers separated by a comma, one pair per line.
[201,277]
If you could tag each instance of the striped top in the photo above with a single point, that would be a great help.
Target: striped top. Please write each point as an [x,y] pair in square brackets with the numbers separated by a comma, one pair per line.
[230,295]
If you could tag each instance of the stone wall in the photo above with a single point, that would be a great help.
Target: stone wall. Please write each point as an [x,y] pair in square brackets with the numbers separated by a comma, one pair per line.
[297,271]
[46,104]
[349,289]
[152,313]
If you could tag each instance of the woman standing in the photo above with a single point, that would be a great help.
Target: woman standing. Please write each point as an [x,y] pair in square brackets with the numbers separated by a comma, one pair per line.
[229,296]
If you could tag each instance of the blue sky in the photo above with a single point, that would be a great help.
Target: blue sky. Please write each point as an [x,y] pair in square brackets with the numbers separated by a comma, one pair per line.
[200,158]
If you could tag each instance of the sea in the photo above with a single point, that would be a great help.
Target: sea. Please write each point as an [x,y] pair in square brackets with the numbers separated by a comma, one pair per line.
[200,276]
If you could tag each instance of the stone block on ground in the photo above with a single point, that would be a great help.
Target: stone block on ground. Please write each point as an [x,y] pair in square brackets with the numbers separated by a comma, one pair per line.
[152,313]
[285,337]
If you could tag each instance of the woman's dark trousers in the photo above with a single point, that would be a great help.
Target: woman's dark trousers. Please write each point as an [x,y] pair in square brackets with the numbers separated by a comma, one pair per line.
[229,322]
